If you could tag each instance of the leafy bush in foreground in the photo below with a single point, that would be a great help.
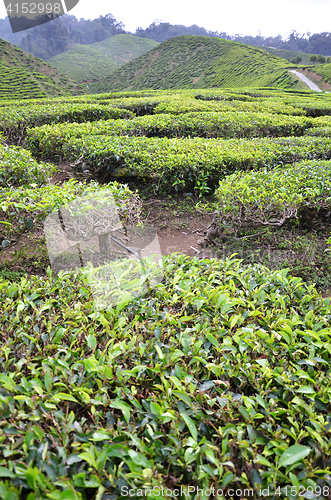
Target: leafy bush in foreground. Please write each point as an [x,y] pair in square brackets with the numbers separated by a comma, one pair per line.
[18,167]
[219,377]
[264,198]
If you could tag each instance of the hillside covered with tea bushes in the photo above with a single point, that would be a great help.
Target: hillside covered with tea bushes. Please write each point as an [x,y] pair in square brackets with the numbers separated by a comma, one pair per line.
[24,76]
[95,61]
[199,62]
[218,376]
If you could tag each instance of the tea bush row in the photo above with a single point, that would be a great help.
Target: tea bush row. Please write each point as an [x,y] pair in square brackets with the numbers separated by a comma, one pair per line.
[15,120]
[220,375]
[22,208]
[207,125]
[264,198]
[18,167]
[187,163]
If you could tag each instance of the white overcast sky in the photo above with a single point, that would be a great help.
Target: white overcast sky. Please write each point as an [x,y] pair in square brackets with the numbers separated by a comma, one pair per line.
[247,17]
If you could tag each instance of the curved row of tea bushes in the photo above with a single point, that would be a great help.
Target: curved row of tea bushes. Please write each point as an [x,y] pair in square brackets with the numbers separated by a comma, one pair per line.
[198,163]
[261,198]
[207,125]
[218,377]
[15,120]
[18,167]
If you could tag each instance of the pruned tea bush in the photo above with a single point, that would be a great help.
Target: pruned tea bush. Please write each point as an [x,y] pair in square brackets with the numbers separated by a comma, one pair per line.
[18,168]
[270,198]
[219,375]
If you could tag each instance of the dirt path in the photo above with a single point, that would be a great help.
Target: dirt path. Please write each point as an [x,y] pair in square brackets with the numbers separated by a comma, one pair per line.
[306,80]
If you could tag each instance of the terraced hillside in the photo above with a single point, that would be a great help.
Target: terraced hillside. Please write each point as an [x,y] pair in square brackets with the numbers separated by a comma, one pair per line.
[199,62]
[96,61]
[24,76]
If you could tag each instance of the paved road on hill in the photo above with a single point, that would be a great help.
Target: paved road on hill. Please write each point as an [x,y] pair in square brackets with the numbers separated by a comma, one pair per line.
[306,80]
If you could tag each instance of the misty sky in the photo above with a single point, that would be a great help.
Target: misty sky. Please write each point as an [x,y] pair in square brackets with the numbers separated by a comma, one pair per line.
[231,16]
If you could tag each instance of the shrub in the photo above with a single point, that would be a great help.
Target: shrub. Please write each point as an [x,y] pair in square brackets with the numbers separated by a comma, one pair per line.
[267,198]
[18,168]
[22,208]
[202,373]
[185,163]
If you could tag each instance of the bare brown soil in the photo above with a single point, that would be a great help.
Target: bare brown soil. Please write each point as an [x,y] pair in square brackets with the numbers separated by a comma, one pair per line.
[177,233]
[318,79]
[182,228]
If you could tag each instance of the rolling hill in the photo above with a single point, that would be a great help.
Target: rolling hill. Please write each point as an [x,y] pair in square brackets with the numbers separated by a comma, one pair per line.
[93,62]
[24,76]
[200,62]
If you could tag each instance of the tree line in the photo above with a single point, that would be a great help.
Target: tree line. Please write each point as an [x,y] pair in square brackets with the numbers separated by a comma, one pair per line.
[50,39]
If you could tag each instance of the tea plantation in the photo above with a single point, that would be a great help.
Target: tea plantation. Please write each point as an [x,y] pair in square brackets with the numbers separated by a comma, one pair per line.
[185,62]
[92,62]
[215,383]
[24,76]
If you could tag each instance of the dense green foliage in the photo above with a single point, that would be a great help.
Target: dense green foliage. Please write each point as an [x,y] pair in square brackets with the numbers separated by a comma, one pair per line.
[189,385]
[209,125]
[187,163]
[96,61]
[23,76]
[262,198]
[18,167]
[218,376]
[199,62]
[25,206]
[14,122]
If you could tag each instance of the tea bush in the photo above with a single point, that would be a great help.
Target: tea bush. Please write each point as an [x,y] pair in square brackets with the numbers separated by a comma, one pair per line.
[14,121]
[207,125]
[18,167]
[23,208]
[186,163]
[263,198]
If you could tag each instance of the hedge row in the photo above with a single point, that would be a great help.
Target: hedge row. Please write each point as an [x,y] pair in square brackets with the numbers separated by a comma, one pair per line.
[18,167]
[22,208]
[198,163]
[15,120]
[208,125]
[219,378]
[264,198]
